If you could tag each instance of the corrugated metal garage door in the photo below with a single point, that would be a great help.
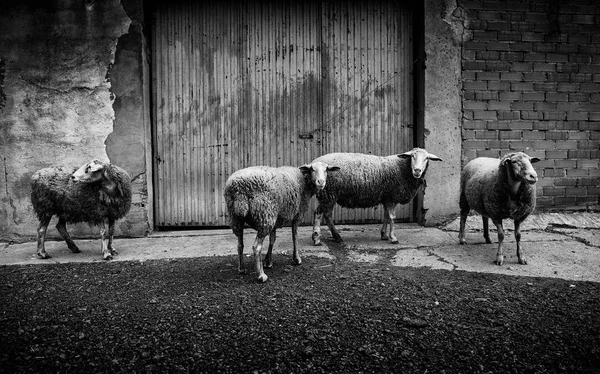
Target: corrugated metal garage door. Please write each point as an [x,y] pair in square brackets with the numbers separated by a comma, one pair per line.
[273,84]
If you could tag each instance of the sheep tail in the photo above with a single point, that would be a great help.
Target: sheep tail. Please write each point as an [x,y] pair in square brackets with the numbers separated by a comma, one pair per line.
[240,206]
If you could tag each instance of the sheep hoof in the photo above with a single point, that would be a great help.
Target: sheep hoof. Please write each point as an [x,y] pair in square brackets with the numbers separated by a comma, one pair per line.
[75,249]
[522,261]
[113,252]
[268,265]
[297,261]
[394,241]
[316,239]
[488,241]
[241,271]
[262,278]
[462,241]
[107,256]
[384,237]
[499,260]
[44,256]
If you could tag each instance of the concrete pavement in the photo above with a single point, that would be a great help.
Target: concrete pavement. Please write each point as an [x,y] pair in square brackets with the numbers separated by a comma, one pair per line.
[556,245]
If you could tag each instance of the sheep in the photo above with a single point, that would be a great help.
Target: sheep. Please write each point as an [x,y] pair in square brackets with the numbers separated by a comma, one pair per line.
[97,193]
[367,181]
[267,198]
[498,189]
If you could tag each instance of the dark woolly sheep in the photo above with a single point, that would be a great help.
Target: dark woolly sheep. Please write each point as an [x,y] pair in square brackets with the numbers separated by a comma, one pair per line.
[365,181]
[97,193]
[499,189]
[268,198]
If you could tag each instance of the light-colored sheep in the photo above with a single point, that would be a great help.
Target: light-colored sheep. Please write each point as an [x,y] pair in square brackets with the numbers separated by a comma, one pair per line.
[97,193]
[267,198]
[366,181]
[498,189]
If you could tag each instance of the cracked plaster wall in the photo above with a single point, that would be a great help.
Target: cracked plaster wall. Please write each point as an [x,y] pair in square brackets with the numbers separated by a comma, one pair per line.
[56,104]
[443,108]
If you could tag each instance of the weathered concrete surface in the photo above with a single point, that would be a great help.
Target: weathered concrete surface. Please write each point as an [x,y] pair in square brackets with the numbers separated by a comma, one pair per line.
[58,107]
[573,254]
[442,109]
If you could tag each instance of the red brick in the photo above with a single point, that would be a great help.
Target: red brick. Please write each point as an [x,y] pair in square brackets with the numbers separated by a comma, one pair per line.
[532,37]
[473,65]
[544,144]
[558,77]
[511,36]
[511,56]
[554,191]
[467,134]
[485,35]
[508,115]
[534,135]
[521,125]
[498,46]
[567,68]
[510,135]
[486,135]
[592,107]
[579,154]
[567,125]
[467,114]
[555,116]
[578,116]
[521,47]
[588,144]
[498,144]
[589,182]
[578,39]
[494,153]
[508,95]
[591,126]
[576,191]
[580,135]
[555,96]
[556,38]
[521,86]
[485,114]
[590,68]
[498,125]
[521,105]
[474,86]
[568,164]
[557,155]
[498,105]
[467,104]
[555,173]
[544,86]
[474,125]
[544,106]
[565,182]
[566,144]
[522,146]
[487,55]
[497,65]
[498,86]
[535,57]
[580,59]
[580,77]
[488,76]
[577,173]
[514,76]
[531,115]
[560,200]
[568,87]
[567,106]
[556,135]
[474,45]
[522,66]
[579,96]
[486,95]
[474,144]
[533,96]
[590,87]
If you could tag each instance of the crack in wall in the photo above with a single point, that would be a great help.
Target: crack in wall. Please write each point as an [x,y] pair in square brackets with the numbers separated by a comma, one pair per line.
[15,217]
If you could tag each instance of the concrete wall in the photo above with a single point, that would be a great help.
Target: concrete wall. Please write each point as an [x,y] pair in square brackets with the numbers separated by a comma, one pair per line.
[443,35]
[57,65]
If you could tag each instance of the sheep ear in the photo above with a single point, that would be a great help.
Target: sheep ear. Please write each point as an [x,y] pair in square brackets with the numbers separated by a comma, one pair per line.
[305,169]
[333,168]
[406,154]
[533,160]
[433,157]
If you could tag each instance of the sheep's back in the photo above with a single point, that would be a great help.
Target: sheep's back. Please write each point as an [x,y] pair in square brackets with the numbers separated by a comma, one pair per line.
[262,195]
[365,181]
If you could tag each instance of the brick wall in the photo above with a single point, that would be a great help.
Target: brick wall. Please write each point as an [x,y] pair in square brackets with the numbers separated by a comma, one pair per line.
[531,83]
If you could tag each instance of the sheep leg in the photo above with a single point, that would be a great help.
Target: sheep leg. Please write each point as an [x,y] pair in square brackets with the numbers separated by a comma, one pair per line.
[104,248]
[295,256]
[240,249]
[391,217]
[384,229]
[520,254]
[316,235]
[41,238]
[111,234]
[486,230]
[464,212]
[499,256]
[334,232]
[257,249]
[61,226]
[268,258]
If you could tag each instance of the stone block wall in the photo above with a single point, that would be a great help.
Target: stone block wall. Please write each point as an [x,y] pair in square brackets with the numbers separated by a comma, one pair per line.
[531,82]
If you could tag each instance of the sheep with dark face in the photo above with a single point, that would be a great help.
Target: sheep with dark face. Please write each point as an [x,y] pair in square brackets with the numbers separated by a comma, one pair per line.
[499,189]
[267,198]
[97,193]
[365,181]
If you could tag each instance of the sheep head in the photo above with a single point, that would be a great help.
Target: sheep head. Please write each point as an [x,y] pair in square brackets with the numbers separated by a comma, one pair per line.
[318,173]
[419,160]
[91,172]
[519,169]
